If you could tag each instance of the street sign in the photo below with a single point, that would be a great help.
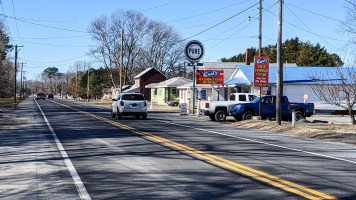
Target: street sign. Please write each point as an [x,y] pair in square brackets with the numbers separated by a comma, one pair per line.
[183,108]
[194,51]
[211,77]
[261,71]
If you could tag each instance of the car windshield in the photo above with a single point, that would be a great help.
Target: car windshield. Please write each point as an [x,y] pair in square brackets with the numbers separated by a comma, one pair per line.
[40,94]
[133,97]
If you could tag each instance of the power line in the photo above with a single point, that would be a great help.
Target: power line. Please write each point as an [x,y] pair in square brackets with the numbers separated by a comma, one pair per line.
[8,27]
[208,12]
[159,6]
[254,18]
[227,19]
[310,28]
[56,45]
[313,12]
[31,61]
[63,29]
[54,37]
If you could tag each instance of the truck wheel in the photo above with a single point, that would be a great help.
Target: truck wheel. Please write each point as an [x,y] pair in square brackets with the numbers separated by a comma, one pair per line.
[247,115]
[212,117]
[220,116]
[299,115]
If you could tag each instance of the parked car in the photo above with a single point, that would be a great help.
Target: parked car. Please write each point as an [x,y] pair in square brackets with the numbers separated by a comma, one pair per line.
[50,96]
[218,110]
[40,96]
[245,111]
[129,104]
[173,103]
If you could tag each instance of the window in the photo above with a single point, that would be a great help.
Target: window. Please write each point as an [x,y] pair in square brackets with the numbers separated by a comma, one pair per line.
[155,93]
[174,91]
[232,97]
[251,97]
[242,97]
[203,95]
[133,97]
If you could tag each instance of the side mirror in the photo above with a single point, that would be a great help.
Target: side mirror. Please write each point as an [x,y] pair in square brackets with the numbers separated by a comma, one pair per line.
[113,99]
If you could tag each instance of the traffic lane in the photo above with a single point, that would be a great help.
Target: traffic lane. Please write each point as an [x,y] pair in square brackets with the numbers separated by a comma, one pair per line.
[30,165]
[300,167]
[306,169]
[330,176]
[117,163]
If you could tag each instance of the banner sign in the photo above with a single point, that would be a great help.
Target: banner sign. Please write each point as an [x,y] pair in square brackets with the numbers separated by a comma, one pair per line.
[261,71]
[210,77]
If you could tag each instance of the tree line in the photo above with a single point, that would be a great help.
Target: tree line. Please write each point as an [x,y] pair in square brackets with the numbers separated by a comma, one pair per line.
[294,51]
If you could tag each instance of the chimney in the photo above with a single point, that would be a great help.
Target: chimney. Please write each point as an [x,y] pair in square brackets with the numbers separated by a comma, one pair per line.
[247,57]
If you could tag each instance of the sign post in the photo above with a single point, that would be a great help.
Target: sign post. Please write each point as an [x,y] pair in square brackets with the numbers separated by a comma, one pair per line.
[261,73]
[194,51]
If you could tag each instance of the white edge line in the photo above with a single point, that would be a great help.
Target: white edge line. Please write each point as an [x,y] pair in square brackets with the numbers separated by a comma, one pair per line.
[266,143]
[83,193]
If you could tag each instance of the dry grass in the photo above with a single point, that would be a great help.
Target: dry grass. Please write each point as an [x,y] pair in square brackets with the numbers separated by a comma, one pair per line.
[335,132]
[9,102]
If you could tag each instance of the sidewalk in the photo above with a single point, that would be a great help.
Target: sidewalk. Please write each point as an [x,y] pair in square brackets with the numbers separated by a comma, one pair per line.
[30,164]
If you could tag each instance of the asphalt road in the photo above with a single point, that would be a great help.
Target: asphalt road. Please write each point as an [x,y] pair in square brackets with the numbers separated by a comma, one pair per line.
[170,156]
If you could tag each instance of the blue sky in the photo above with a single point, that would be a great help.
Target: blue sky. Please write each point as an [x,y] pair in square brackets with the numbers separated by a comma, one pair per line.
[54,33]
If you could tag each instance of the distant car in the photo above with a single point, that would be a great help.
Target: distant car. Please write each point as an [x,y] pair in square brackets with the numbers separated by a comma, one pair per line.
[50,96]
[173,103]
[40,96]
[129,104]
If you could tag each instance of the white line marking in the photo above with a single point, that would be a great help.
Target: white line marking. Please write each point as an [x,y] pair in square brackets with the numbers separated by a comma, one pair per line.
[83,193]
[260,142]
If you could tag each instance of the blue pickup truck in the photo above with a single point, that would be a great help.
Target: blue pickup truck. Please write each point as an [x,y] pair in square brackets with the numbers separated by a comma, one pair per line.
[244,111]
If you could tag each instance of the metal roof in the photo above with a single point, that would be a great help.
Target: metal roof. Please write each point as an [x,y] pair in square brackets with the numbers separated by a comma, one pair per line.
[297,75]
[173,82]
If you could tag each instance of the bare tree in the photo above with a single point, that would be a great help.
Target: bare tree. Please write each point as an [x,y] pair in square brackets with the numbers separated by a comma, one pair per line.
[163,48]
[104,53]
[340,91]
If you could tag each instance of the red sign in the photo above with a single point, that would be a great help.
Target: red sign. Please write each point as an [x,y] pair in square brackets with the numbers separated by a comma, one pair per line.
[210,77]
[261,71]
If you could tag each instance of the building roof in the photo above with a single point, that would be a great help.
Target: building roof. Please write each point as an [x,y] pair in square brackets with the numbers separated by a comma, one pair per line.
[173,82]
[145,71]
[228,67]
[296,75]
[190,85]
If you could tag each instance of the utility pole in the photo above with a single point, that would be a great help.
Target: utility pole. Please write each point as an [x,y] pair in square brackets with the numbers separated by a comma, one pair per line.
[21,81]
[76,83]
[121,58]
[88,82]
[279,66]
[15,72]
[260,51]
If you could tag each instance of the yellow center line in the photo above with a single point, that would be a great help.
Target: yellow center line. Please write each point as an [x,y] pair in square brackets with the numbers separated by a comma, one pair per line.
[233,166]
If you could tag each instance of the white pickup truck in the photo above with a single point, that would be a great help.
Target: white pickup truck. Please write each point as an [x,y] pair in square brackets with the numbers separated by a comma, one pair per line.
[217,110]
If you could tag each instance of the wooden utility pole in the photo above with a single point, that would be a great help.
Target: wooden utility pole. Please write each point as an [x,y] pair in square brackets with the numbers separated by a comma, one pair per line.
[279,66]
[88,82]
[121,58]
[76,83]
[260,52]
[15,72]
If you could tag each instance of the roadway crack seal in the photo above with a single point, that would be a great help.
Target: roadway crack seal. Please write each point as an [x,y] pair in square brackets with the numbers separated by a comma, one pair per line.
[227,164]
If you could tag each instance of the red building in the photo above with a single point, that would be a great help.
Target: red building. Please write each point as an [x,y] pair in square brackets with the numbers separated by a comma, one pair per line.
[148,76]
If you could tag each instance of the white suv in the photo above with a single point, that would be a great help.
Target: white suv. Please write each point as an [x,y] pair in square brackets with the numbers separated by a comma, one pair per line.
[129,104]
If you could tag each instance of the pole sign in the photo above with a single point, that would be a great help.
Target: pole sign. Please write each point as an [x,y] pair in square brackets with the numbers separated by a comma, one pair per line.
[261,71]
[211,77]
[194,51]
